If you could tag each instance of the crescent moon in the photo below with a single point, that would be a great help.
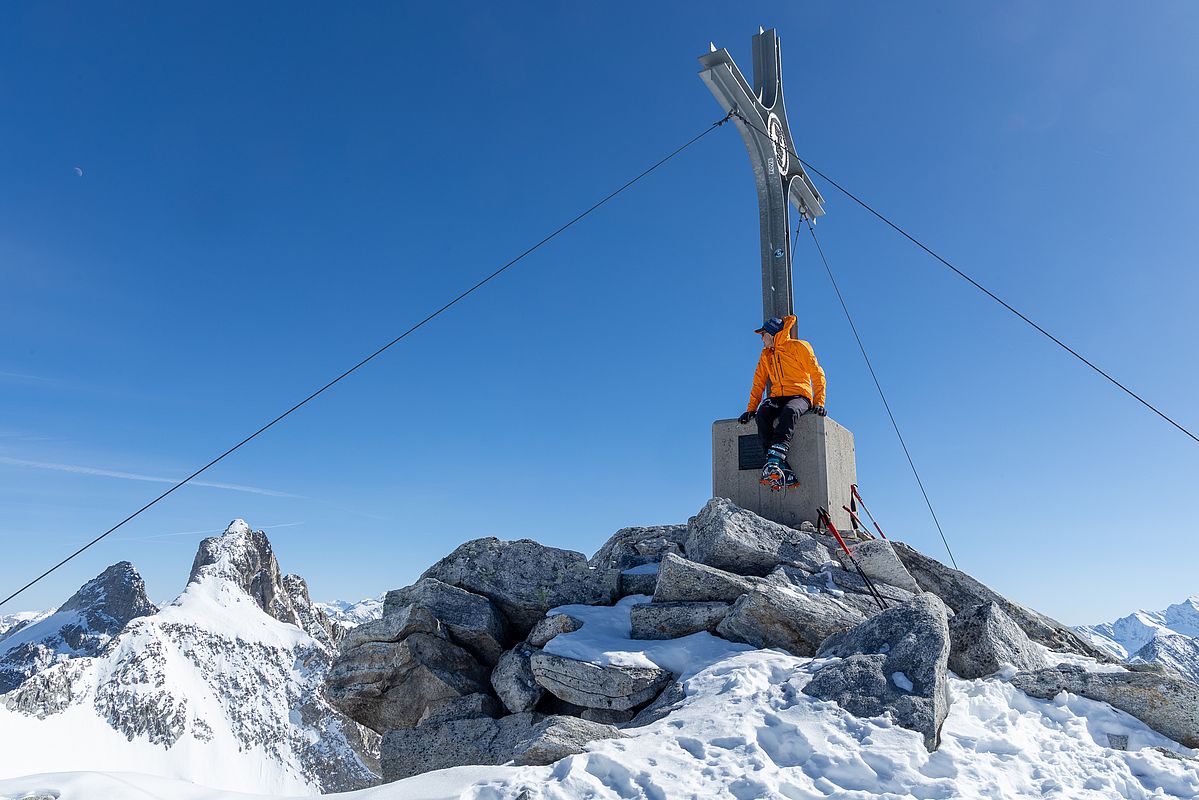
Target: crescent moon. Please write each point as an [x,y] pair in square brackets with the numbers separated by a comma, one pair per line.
[79,172]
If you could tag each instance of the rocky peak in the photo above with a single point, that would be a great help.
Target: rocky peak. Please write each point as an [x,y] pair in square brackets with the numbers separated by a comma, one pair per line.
[311,618]
[112,598]
[81,626]
[244,558]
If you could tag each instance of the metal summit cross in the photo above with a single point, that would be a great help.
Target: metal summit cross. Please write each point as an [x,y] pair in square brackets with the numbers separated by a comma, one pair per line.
[822,452]
[777,172]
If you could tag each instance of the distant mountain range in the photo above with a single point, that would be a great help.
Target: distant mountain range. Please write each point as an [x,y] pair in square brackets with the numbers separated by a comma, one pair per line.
[1169,637]
[351,615]
[221,686]
[10,623]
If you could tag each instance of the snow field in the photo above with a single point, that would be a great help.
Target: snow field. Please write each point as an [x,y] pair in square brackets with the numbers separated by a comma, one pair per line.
[746,730]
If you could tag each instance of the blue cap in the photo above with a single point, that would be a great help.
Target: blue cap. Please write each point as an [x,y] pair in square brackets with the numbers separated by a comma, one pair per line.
[771,326]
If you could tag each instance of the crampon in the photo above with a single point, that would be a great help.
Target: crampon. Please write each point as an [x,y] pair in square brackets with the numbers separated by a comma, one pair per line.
[775,478]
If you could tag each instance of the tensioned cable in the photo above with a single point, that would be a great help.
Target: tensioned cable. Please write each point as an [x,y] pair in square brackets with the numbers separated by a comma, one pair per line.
[973,282]
[378,352]
[881,393]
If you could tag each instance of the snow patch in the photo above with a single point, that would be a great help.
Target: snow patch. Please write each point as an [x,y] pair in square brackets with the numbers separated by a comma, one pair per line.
[604,639]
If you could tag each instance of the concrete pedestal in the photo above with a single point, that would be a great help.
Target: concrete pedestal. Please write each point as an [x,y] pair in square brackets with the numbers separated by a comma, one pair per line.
[821,456]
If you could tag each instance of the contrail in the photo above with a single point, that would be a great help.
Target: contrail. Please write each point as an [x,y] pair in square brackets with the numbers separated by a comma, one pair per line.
[132,476]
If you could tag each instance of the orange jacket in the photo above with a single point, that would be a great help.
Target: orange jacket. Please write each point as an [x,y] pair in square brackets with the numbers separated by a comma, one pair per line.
[791,368]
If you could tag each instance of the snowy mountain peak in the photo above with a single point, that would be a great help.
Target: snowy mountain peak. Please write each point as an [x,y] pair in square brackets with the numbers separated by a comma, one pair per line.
[242,558]
[222,685]
[82,626]
[1169,637]
[1183,617]
[118,591]
[240,554]
[350,615]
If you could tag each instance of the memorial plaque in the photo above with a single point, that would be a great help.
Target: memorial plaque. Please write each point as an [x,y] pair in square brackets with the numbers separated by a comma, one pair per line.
[750,454]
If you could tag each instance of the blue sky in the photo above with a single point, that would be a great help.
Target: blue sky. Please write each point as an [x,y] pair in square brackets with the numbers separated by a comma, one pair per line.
[272,190]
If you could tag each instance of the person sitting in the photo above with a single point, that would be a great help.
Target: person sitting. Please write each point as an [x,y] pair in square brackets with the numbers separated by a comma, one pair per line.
[797,386]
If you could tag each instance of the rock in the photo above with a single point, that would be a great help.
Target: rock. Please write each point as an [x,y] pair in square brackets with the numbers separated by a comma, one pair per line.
[471,706]
[638,582]
[594,686]
[960,591]
[524,578]
[846,585]
[1171,754]
[684,581]
[394,627]
[454,743]
[1165,703]
[1117,741]
[513,680]
[776,616]
[878,560]
[552,706]
[895,662]
[630,547]
[659,546]
[555,738]
[674,620]
[389,685]
[311,619]
[728,537]
[671,699]
[472,621]
[606,717]
[550,627]
[983,639]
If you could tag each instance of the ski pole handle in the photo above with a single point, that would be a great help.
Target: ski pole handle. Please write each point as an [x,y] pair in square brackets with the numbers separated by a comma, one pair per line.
[829,522]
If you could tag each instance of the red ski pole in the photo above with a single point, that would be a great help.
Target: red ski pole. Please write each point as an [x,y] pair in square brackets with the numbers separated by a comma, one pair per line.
[853,488]
[857,522]
[828,521]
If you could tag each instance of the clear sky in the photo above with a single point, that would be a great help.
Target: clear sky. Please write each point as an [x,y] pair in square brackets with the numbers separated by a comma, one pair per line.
[270,191]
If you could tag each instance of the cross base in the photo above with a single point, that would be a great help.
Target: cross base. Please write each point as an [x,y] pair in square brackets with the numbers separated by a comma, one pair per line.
[821,456]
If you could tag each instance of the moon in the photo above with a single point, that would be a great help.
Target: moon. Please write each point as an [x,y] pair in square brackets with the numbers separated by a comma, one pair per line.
[79,171]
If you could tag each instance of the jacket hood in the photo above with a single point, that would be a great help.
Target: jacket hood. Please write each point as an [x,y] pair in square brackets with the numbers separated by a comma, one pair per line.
[785,333]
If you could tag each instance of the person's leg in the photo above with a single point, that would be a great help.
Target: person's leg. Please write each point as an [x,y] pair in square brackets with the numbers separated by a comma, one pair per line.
[788,416]
[768,412]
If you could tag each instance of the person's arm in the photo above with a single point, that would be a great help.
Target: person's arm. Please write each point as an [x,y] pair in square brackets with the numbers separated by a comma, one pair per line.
[759,386]
[817,373]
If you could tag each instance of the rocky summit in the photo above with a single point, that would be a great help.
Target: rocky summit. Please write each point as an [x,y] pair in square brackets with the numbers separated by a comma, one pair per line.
[485,659]
[81,626]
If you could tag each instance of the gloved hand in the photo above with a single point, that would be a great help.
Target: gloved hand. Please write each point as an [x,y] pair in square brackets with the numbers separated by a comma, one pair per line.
[746,417]
[819,411]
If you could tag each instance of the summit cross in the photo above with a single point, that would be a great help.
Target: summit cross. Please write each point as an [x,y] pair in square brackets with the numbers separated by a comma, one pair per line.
[779,175]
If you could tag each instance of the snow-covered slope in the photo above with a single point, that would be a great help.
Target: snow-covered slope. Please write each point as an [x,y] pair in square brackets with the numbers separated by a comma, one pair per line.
[221,687]
[1170,637]
[351,615]
[81,626]
[10,623]
[746,730]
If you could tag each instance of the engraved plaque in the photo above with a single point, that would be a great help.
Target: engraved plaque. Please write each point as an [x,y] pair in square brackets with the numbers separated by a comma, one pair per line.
[750,454]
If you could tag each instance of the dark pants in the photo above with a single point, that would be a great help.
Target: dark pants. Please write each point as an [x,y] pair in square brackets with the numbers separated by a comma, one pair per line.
[777,417]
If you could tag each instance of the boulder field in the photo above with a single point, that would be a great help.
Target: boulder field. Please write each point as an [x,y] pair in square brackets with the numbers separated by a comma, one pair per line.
[457,672]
